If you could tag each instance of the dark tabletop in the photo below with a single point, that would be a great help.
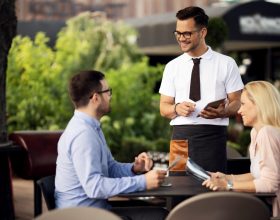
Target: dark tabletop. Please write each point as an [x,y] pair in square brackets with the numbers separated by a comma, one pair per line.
[185,186]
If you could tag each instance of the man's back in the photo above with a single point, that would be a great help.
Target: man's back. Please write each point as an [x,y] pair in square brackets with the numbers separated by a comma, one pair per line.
[69,189]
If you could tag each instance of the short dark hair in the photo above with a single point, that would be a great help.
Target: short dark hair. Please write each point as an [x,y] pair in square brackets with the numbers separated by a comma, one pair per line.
[83,84]
[197,13]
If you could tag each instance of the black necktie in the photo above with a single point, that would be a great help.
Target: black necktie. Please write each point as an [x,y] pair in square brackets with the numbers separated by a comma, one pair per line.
[195,81]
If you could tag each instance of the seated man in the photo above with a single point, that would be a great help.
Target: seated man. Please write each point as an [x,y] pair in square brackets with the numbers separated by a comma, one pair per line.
[86,172]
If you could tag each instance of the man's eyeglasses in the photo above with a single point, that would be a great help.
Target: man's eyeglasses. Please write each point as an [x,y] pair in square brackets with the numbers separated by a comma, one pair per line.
[106,90]
[186,35]
[110,91]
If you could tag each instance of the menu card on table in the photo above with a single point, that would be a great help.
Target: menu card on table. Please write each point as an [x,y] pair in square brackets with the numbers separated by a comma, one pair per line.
[196,170]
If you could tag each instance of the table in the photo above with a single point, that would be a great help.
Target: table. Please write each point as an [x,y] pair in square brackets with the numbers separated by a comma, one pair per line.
[182,187]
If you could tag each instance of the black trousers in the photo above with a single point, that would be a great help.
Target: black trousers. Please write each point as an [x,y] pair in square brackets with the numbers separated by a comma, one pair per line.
[207,144]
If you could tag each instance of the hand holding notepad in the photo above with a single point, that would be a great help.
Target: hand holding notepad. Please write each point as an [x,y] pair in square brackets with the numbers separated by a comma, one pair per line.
[214,104]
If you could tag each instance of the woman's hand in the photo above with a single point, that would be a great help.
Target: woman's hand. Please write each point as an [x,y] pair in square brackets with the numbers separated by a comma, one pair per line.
[218,175]
[218,181]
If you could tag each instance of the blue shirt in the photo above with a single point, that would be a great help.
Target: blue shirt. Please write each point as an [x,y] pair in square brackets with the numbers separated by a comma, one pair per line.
[86,172]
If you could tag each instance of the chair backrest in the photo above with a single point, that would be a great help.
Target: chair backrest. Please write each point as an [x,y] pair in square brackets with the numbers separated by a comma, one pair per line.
[220,206]
[84,213]
[38,154]
[47,187]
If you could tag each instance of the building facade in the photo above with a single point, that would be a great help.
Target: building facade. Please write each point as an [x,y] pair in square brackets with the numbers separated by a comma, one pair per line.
[254,30]
[28,10]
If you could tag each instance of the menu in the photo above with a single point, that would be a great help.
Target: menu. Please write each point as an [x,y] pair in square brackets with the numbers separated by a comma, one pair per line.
[196,170]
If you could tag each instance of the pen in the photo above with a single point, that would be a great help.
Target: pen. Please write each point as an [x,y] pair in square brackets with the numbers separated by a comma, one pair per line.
[174,163]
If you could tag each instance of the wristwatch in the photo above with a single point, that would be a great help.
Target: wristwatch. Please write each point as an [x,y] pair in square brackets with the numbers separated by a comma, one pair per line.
[229,185]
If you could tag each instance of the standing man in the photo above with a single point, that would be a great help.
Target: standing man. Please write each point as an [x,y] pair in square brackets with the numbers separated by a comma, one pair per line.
[86,172]
[203,131]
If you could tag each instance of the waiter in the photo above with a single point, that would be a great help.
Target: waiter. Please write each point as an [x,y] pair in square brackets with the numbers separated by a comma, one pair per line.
[192,80]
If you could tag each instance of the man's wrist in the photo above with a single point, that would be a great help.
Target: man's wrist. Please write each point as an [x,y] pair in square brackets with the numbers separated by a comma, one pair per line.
[133,171]
[224,114]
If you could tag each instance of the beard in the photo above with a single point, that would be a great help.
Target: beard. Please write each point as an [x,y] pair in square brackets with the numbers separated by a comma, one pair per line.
[104,109]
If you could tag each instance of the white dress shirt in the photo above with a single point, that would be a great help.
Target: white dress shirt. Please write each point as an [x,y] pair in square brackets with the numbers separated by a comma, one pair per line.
[219,75]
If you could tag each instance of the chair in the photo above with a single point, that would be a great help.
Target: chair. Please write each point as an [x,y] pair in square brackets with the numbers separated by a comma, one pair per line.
[47,187]
[220,206]
[84,213]
[35,159]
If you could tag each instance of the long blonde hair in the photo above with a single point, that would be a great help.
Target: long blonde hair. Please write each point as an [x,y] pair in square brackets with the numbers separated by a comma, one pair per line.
[267,100]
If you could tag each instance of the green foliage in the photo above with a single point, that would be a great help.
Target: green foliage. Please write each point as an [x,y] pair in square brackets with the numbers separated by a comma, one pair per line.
[37,75]
[244,140]
[92,42]
[239,137]
[31,93]
[135,109]
[132,146]
[37,79]
[217,32]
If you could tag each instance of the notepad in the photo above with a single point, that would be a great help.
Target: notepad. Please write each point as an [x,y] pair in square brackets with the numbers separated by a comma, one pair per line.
[215,104]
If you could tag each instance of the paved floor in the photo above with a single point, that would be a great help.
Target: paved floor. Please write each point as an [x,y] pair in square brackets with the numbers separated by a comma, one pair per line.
[23,199]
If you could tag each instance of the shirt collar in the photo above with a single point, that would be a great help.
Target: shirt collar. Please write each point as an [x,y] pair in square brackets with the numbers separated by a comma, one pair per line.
[90,120]
[207,55]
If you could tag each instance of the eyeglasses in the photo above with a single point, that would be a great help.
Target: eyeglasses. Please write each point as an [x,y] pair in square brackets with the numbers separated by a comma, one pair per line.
[103,91]
[186,34]
[106,90]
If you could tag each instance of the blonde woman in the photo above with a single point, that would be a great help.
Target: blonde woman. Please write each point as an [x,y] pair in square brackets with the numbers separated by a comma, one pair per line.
[260,109]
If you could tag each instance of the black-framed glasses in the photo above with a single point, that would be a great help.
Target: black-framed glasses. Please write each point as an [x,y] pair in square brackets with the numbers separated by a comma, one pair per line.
[106,90]
[186,34]
[109,90]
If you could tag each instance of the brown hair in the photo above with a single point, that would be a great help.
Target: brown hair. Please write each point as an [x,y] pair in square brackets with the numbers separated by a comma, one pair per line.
[197,13]
[83,84]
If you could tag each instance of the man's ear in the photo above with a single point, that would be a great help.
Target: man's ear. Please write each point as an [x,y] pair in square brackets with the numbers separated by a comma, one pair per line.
[204,32]
[95,97]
